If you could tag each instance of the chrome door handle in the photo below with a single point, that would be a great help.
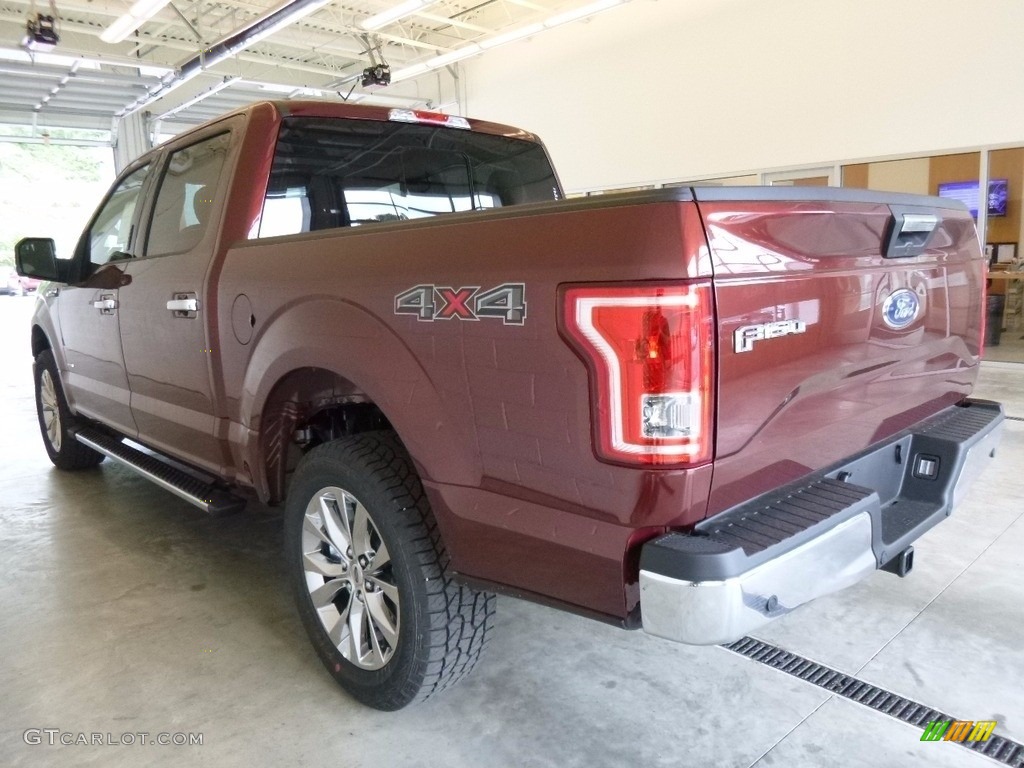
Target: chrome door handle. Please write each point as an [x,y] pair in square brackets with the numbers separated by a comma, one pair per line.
[184,304]
[106,304]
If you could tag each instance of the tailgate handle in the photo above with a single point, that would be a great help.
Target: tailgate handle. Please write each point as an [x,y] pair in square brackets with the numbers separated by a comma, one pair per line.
[910,232]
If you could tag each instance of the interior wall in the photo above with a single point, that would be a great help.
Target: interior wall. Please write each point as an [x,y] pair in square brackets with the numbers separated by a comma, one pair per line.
[904,175]
[961,167]
[655,91]
[857,175]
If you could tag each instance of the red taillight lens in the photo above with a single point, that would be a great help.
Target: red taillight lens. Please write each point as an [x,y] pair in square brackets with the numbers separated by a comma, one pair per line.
[650,351]
[984,313]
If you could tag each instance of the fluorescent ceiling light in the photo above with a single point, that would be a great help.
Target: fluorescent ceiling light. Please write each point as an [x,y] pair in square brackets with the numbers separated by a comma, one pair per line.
[276,88]
[141,12]
[407,72]
[580,13]
[149,71]
[44,57]
[493,42]
[221,51]
[289,17]
[510,37]
[450,58]
[401,10]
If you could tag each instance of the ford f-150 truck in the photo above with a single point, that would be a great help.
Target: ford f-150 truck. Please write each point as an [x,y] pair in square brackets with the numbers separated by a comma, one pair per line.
[689,409]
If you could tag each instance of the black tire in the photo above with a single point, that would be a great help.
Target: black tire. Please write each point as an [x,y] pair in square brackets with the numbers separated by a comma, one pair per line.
[55,419]
[441,628]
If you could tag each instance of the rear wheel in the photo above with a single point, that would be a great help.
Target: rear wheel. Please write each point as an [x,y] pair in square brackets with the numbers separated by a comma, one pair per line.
[55,419]
[368,570]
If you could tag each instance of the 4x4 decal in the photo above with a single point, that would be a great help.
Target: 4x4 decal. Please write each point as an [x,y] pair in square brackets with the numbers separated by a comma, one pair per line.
[435,302]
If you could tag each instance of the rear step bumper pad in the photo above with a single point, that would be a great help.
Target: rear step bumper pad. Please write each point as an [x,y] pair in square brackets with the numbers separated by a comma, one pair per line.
[751,564]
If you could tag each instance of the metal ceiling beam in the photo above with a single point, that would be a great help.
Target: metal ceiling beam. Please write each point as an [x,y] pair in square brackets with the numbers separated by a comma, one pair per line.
[223,49]
[110,103]
[314,53]
[189,47]
[23,100]
[99,77]
[34,87]
[55,111]
[453,22]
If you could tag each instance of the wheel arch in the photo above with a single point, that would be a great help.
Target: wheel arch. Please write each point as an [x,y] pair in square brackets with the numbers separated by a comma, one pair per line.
[327,359]
[40,341]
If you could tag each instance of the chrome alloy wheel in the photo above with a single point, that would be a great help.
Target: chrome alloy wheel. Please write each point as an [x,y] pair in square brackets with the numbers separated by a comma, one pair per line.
[51,410]
[349,576]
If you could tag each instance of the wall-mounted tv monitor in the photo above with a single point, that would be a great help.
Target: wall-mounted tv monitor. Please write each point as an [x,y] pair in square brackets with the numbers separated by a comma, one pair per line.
[967,193]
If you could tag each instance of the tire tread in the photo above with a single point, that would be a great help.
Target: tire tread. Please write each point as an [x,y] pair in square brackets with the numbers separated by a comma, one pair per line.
[458,617]
[73,455]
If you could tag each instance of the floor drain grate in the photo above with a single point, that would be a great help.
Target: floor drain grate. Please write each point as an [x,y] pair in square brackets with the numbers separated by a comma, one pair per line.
[998,748]
[1015,418]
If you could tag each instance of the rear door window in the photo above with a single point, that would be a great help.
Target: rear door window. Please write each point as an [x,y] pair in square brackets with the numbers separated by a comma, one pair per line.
[186,198]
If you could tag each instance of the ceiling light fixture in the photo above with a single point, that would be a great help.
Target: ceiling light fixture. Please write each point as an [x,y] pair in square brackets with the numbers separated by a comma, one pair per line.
[580,13]
[510,37]
[473,49]
[140,12]
[391,15]
[450,58]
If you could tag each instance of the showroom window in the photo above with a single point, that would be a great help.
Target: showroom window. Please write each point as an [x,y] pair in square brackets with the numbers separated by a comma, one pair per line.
[999,214]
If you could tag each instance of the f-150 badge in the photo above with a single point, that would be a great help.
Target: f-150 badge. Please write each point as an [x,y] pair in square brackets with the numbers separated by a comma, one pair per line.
[435,302]
[743,338]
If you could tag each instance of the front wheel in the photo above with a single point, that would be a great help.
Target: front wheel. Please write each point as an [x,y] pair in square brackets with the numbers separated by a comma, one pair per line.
[368,569]
[56,419]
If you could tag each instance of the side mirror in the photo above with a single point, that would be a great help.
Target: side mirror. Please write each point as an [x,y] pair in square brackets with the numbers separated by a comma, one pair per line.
[37,257]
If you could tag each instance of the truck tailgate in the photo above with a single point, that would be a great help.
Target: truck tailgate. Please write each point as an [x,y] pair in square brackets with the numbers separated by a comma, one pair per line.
[834,331]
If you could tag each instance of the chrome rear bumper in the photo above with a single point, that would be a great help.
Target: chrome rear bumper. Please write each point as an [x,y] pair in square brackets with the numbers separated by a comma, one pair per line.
[757,562]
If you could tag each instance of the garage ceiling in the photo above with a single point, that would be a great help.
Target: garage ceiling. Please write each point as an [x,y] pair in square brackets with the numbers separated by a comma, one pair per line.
[195,59]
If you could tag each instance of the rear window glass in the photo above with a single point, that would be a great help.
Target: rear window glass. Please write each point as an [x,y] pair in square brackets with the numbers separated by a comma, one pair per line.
[338,173]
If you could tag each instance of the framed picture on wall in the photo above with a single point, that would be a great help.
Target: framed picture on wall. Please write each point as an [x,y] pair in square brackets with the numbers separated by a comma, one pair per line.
[1001,253]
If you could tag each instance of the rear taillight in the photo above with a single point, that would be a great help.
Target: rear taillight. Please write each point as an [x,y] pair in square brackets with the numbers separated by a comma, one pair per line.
[650,351]
[984,313]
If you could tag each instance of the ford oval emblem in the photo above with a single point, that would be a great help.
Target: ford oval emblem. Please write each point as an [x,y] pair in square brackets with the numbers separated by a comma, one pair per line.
[900,309]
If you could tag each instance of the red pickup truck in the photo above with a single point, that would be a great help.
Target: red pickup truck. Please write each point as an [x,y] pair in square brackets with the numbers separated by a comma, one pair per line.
[690,409]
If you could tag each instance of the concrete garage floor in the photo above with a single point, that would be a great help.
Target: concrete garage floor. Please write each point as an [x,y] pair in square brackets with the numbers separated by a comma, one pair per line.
[124,610]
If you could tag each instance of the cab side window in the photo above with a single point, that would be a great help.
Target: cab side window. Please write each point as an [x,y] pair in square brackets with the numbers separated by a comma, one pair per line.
[181,213]
[111,232]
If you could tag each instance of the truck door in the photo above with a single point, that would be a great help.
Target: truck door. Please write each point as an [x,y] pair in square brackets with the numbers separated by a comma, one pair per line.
[165,314]
[95,379]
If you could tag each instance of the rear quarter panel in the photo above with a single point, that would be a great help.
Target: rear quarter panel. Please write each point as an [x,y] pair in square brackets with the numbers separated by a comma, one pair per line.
[497,417]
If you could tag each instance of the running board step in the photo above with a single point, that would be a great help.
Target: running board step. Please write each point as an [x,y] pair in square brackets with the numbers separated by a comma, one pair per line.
[206,495]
